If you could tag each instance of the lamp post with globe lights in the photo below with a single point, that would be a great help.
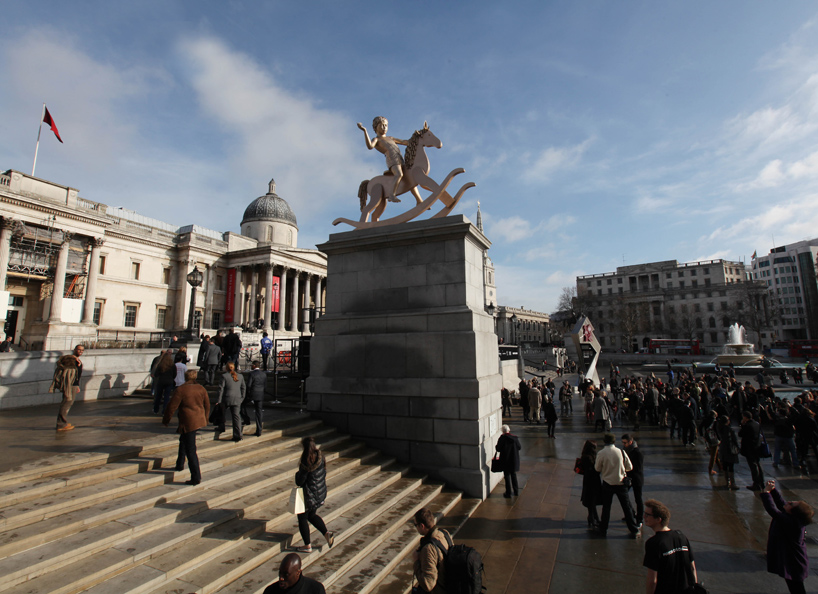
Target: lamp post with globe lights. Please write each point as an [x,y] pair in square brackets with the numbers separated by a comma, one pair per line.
[194,279]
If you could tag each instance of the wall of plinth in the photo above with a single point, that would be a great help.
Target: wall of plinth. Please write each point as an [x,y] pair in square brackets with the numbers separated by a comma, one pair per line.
[405,356]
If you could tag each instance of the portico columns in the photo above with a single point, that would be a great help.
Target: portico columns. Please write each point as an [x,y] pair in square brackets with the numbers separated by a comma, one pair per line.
[6,225]
[181,285]
[55,315]
[210,275]
[238,301]
[252,316]
[319,295]
[307,297]
[268,299]
[294,302]
[91,286]
[282,300]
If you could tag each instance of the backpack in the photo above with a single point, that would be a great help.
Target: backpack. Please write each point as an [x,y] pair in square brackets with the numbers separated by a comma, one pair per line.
[464,567]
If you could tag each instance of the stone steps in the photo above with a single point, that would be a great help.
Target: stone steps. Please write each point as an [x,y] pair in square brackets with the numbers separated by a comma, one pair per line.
[73,471]
[117,503]
[163,525]
[125,523]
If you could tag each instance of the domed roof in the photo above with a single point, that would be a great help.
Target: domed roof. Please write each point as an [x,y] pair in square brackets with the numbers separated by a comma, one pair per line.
[270,207]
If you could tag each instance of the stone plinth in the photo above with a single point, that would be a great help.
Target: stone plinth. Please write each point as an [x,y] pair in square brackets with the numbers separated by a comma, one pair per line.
[405,356]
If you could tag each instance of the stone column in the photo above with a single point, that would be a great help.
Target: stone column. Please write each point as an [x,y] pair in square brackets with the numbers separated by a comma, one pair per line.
[6,225]
[268,299]
[210,276]
[252,315]
[282,300]
[55,315]
[319,295]
[91,286]
[238,301]
[307,290]
[294,302]
[181,290]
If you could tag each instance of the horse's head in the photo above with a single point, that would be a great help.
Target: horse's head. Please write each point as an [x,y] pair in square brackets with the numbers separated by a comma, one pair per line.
[427,137]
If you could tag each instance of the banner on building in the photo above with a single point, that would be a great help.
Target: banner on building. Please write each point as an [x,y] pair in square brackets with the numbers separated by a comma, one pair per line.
[230,297]
[276,294]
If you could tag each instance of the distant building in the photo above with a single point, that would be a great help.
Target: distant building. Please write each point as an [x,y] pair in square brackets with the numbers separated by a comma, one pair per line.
[73,270]
[522,326]
[789,271]
[697,300]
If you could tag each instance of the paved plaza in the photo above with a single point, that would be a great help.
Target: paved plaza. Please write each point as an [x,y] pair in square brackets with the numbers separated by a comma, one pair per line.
[537,542]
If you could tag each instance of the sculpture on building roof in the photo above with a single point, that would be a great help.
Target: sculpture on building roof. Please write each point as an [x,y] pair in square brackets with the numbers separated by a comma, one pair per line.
[405,174]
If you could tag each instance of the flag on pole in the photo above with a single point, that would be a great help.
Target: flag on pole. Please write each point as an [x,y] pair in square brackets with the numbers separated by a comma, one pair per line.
[48,120]
[754,255]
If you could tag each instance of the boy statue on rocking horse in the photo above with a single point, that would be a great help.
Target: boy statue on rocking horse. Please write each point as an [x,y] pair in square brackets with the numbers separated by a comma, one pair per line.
[394,160]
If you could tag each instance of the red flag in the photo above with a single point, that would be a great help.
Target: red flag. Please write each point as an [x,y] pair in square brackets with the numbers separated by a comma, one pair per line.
[48,120]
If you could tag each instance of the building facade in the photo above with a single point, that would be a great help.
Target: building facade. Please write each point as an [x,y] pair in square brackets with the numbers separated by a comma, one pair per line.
[73,270]
[522,326]
[696,300]
[789,272]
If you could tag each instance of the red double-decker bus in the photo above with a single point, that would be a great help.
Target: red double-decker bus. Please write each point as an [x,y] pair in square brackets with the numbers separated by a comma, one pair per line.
[807,349]
[674,346]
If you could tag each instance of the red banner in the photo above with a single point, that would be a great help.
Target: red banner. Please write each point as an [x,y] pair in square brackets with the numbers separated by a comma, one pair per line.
[230,297]
[276,294]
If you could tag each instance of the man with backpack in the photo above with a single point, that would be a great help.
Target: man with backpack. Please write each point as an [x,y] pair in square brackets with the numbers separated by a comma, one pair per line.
[442,567]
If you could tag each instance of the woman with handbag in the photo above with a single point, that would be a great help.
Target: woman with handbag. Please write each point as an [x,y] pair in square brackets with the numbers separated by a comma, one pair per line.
[509,447]
[312,477]
[711,439]
[591,482]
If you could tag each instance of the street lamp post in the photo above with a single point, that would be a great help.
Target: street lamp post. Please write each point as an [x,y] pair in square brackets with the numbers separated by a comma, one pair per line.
[194,279]
[514,327]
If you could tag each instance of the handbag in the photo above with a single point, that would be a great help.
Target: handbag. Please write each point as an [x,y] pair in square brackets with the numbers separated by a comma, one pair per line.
[296,503]
[578,466]
[496,465]
[763,448]
[217,417]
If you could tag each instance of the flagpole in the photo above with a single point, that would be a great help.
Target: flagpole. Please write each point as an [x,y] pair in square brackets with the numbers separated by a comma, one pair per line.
[36,150]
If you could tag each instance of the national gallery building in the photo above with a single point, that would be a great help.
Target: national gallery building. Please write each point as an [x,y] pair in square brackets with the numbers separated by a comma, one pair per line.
[73,270]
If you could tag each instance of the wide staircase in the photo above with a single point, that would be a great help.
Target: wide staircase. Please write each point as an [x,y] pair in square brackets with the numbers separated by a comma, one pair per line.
[124,522]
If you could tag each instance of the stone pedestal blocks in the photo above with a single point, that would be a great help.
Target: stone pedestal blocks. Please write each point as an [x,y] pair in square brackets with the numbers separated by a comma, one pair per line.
[405,356]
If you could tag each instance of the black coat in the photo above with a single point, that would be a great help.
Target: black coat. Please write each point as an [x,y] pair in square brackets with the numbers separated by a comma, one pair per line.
[638,461]
[314,482]
[591,483]
[750,439]
[509,447]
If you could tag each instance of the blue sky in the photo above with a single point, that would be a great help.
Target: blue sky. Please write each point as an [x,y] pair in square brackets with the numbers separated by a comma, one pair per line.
[598,133]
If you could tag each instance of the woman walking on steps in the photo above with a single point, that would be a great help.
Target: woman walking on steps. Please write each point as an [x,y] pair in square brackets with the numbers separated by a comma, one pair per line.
[312,476]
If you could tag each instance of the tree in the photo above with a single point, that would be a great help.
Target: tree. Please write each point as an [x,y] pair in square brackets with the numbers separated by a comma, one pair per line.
[630,318]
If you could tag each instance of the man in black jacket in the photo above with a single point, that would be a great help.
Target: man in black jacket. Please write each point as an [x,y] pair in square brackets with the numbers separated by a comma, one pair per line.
[256,387]
[292,581]
[509,447]
[750,439]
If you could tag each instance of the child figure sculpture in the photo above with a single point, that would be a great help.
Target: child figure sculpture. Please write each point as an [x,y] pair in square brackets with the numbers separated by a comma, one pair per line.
[388,146]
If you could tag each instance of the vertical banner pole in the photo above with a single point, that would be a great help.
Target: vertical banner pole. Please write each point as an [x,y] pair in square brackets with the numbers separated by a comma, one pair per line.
[37,148]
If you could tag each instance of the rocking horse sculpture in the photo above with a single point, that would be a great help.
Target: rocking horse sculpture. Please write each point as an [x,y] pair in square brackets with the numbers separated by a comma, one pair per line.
[405,175]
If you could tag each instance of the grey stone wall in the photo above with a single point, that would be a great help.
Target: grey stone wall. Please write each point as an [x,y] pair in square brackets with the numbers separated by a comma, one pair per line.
[107,373]
[406,357]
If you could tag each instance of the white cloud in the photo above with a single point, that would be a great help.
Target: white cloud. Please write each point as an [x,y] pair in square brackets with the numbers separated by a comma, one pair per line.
[311,151]
[788,222]
[776,173]
[652,204]
[516,228]
[541,167]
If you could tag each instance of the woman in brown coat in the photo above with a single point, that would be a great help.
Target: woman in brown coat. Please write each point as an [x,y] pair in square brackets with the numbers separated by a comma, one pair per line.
[194,407]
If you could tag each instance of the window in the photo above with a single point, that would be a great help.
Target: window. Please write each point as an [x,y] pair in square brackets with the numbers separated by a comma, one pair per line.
[681,273]
[667,275]
[723,306]
[714,337]
[709,307]
[217,319]
[15,301]
[656,310]
[695,283]
[165,280]
[135,266]
[707,282]
[693,272]
[696,307]
[711,322]
[669,284]
[161,317]
[130,315]
[219,285]
[681,284]
[102,260]
[599,283]
[98,311]
[609,281]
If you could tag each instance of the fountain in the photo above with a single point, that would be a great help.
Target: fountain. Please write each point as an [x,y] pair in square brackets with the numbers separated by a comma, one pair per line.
[737,350]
